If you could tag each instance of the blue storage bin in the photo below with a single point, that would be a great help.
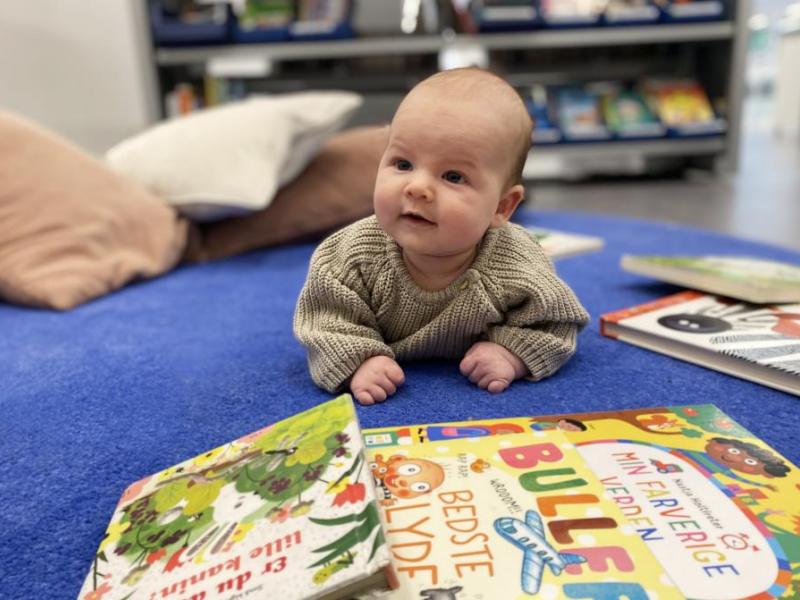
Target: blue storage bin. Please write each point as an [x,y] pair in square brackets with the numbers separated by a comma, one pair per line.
[519,16]
[558,21]
[321,30]
[259,34]
[702,10]
[169,30]
[619,16]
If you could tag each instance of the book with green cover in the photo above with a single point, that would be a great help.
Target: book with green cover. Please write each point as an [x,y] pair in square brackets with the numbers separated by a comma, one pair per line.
[509,517]
[562,244]
[751,279]
[288,508]
[715,505]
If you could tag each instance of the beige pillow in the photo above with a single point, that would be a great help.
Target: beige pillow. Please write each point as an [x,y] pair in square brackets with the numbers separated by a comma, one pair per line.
[230,160]
[334,190]
[70,229]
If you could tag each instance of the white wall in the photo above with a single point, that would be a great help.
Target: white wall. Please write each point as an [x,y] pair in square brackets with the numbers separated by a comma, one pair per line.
[79,67]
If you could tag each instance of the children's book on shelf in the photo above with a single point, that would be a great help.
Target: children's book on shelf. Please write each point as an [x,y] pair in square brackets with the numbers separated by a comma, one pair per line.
[714,504]
[623,12]
[757,342]
[572,12]
[747,278]
[628,116]
[493,15]
[579,114]
[513,517]
[683,107]
[561,244]
[290,507]
[545,130]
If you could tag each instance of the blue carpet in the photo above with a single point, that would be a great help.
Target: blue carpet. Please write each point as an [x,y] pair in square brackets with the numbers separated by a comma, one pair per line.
[96,398]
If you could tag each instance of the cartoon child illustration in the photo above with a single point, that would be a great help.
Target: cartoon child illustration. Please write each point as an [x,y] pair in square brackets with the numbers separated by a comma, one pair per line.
[730,457]
[562,424]
[403,477]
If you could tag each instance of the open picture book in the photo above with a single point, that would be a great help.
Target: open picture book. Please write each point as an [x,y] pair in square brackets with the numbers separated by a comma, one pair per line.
[668,502]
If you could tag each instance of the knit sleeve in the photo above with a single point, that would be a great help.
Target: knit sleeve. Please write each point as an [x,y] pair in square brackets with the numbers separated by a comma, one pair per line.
[334,321]
[542,314]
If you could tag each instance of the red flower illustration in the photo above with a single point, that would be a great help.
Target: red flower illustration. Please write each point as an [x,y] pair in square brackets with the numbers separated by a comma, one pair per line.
[174,561]
[155,556]
[354,492]
[99,592]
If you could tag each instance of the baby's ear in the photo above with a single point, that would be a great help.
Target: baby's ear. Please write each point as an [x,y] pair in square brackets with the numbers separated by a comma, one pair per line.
[507,205]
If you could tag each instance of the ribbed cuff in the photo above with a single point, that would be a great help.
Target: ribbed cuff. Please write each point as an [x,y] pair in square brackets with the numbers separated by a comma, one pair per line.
[543,353]
[330,371]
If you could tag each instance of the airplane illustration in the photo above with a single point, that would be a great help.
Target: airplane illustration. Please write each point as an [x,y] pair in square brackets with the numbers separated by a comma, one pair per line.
[530,538]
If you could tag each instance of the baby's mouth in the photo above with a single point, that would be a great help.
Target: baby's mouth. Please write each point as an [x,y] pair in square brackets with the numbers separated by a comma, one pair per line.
[416,219]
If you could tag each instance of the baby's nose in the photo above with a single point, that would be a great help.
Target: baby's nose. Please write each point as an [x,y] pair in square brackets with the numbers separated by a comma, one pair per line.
[419,187]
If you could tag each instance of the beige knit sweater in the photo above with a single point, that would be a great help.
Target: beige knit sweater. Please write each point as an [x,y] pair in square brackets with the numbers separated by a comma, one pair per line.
[359,301]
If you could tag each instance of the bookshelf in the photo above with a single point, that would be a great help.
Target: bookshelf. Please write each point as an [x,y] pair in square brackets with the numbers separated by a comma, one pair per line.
[383,68]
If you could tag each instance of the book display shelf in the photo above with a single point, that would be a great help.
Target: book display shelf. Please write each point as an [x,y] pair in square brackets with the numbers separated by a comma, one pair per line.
[640,82]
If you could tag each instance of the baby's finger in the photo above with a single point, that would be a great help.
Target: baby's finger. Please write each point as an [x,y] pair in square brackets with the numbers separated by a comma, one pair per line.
[396,375]
[479,373]
[363,397]
[467,365]
[377,392]
[387,384]
[496,386]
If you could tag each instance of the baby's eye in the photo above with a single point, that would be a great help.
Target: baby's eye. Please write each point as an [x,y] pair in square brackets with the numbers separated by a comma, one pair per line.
[402,164]
[453,177]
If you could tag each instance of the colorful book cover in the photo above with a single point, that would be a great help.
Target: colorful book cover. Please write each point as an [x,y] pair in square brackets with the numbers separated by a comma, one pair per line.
[631,11]
[747,278]
[560,244]
[628,116]
[716,506]
[572,12]
[579,115]
[757,342]
[290,507]
[508,517]
[683,107]
[545,130]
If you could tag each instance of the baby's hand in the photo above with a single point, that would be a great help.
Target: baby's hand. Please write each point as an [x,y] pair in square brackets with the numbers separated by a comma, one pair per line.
[376,379]
[491,366]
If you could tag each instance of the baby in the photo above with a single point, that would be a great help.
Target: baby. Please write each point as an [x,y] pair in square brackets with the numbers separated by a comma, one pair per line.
[438,271]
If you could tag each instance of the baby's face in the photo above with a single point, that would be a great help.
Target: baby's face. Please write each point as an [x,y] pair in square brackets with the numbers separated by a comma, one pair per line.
[442,175]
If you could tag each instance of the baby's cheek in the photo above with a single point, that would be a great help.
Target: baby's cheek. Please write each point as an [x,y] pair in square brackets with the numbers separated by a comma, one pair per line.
[403,493]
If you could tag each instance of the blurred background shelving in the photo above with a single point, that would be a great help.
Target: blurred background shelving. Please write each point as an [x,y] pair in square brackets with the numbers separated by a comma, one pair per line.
[373,56]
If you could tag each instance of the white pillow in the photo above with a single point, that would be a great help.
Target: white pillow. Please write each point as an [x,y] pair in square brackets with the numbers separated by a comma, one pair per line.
[231,160]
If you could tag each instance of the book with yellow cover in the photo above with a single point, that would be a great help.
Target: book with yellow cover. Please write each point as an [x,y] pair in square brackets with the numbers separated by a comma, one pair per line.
[507,517]
[716,506]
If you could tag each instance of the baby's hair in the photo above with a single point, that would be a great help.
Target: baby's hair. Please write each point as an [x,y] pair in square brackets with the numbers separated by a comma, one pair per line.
[472,81]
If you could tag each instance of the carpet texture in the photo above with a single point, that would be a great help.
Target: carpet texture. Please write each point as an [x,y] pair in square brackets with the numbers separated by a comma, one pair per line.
[160,371]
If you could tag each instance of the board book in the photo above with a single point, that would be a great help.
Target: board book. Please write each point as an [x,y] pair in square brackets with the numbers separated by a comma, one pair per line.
[751,279]
[290,507]
[715,505]
[561,244]
[757,342]
[513,517]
